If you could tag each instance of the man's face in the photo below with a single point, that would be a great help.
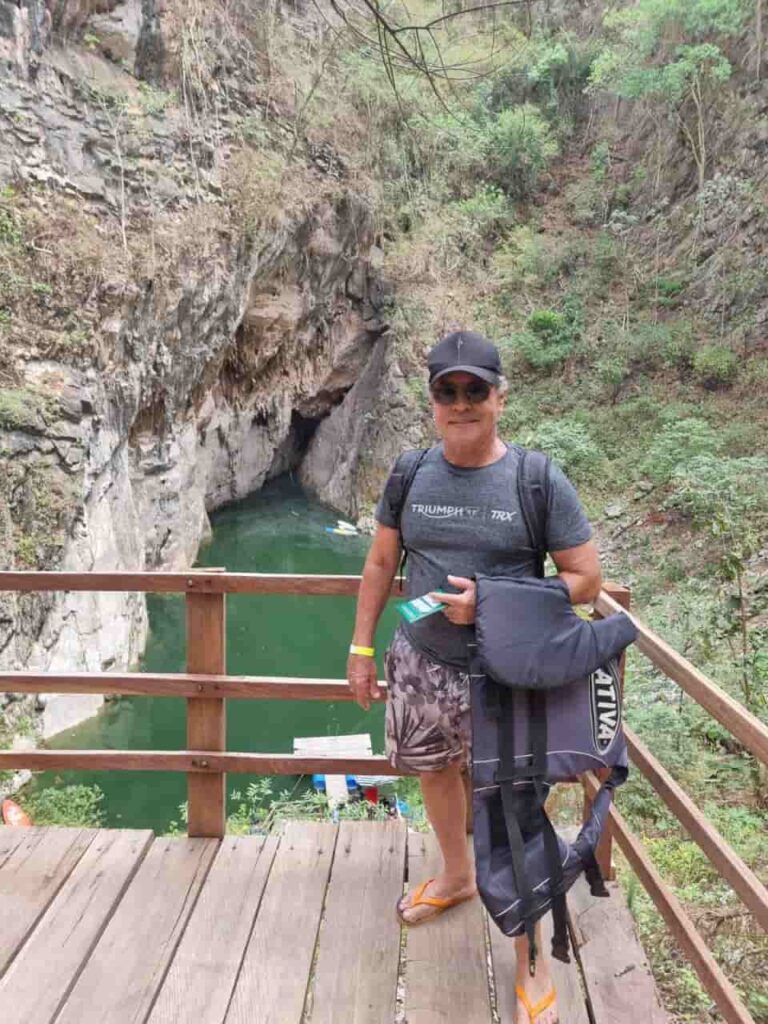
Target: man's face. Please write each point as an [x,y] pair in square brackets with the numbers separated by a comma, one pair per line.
[462,414]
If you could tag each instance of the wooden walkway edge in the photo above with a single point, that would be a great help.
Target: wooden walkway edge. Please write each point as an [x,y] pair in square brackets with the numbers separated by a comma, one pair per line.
[120,927]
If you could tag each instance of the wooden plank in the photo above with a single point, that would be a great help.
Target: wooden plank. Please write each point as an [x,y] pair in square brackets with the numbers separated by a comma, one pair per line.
[728,711]
[192,761]
[120,980]
[11,837]
[181,685]
[604,852]
[194,582]
[272,984]
[202,976]
[199,582]
[206,717]
[32,873]
[571,1000]
[679,923]
[619,981]
[723,857]
[38,980]
[359,945]
[446,974]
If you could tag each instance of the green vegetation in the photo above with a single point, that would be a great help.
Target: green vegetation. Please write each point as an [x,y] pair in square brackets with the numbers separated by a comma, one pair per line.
[66,805]
[570,444]
[10,232]
[548,340]
[21,410]
[662,53]
[518,145]
[715,366]
[258,808]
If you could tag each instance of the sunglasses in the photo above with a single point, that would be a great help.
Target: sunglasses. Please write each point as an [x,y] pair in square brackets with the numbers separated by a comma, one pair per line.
[448,394]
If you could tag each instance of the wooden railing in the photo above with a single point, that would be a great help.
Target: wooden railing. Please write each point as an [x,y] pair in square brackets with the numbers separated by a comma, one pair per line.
[206,761]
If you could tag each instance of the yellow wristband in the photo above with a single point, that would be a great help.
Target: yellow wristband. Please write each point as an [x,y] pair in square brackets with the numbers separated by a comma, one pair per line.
[369,652]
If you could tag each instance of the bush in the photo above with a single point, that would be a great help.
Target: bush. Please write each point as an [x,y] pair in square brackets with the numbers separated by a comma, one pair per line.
[10,234]
[653,345]
[68,805]
[489,211]
[709,486]
[569,443]
[606,256]
[677,444]
[518,146]
[613,371]
[549,338]
[553,73]
[715,367]
[560,75]
[666,290]
[523,261]
[461,233]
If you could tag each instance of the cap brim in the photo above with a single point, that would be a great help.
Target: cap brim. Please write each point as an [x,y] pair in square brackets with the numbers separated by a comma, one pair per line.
[489,376]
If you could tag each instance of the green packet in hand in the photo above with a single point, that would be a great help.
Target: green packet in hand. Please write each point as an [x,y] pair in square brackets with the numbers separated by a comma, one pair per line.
[419,608]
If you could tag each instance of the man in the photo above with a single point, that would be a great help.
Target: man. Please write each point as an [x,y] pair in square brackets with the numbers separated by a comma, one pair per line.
[461,517]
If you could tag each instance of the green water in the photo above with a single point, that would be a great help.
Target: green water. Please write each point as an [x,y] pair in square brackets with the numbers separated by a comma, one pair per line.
[276,530]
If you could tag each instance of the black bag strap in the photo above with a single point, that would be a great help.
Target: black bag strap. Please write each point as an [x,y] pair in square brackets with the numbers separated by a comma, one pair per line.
[507,775]
[509,802]
[534,771]
[533,472]
[395,494]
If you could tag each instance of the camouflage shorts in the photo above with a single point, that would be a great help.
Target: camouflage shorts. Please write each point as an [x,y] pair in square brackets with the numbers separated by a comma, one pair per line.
[427,719]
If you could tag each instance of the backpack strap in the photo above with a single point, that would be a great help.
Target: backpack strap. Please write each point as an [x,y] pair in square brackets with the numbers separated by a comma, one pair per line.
[396,492]
[533,469]
[533,488]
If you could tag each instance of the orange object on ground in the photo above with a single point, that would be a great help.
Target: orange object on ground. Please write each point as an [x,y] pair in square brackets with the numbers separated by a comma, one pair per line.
[15,815]
[420,900]
[537,1010]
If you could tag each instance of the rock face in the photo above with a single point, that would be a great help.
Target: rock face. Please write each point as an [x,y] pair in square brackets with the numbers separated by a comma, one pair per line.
[202,372]
[212,390]
[353,449]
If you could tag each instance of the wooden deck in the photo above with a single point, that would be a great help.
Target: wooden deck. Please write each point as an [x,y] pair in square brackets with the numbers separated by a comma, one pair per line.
[120,927]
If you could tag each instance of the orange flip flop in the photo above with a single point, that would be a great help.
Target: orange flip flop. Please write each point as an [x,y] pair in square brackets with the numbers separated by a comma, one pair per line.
[537,1010]
[439,903]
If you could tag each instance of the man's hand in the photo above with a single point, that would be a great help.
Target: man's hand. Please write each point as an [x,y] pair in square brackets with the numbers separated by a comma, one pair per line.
[361,676]
[461,607]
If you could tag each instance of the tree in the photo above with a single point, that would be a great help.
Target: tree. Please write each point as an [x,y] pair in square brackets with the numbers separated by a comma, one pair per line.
[647,61]
[727,499]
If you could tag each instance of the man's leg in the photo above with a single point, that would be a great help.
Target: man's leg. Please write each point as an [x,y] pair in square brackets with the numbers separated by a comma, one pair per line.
[537,987]
[445,803]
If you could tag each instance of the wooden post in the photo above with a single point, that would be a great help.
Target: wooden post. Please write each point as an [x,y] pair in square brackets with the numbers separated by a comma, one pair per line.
[206,717]
[604,852]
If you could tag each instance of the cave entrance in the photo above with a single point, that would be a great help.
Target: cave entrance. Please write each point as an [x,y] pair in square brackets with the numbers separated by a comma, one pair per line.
[290,453]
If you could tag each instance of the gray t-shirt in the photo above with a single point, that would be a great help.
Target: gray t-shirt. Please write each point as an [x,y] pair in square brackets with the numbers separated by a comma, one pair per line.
[461,521]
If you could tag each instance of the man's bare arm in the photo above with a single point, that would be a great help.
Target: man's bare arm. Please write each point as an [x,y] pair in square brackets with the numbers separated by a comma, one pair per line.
[375,586]
[580,568]
[378,573]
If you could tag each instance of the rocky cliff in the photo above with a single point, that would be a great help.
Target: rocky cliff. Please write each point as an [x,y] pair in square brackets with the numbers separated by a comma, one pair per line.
[183,314]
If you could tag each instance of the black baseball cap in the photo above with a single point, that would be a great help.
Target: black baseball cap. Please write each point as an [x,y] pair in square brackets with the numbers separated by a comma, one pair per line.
[467,351]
